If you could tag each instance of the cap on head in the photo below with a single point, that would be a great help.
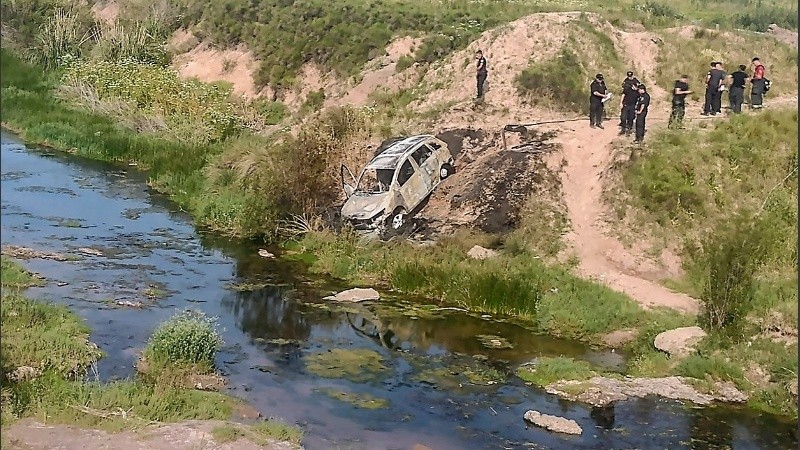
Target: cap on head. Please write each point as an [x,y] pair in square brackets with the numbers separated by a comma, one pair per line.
[599,76]
[630,74]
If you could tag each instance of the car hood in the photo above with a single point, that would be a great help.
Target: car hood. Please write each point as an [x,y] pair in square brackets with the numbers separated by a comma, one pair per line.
[364,206]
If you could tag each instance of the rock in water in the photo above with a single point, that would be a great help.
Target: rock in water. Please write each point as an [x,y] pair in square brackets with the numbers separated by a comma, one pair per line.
[355,295]
[553,423]
[265,254]
[478,252]
[680,341]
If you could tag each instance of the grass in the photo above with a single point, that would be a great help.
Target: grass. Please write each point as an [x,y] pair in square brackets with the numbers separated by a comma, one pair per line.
[519,285]
[54,342]
[549,370]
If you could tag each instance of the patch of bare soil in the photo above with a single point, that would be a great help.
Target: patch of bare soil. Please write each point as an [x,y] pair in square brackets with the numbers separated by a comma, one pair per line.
[29,434]
[490,186]
[106,11]
[208,64]
[782,34]
[588,153]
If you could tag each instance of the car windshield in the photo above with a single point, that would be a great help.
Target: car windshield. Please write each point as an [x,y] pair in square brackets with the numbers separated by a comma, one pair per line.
[374,181]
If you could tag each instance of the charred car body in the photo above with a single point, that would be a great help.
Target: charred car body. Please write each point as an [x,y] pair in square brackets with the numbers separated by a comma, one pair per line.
[395,182]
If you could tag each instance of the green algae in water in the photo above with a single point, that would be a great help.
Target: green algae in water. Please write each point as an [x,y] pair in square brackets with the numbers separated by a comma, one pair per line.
[364,401]
[492,341]
[246,286]
[458,374]
[357,365]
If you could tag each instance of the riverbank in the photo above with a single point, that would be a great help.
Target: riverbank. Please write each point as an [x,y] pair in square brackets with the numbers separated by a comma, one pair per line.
[45,355]
[550,300]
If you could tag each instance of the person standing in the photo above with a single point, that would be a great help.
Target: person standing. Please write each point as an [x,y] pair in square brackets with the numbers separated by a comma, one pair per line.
[720,75]
[758,81]
[481,72]
[707,103]
[598,94]
[679,93]
[736,94]
[642,105]
[627,103]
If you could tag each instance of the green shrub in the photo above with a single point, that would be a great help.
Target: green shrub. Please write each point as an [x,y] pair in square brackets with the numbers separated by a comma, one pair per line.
[272,112]
[63,35]
[403,63]
[189,337]
[549,370]
[732,256]
[561,81]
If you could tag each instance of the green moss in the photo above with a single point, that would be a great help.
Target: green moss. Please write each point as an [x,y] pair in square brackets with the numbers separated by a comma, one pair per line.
[357,365]
[364,401]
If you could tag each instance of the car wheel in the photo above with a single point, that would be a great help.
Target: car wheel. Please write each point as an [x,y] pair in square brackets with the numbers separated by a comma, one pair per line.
[396,224]
[445,171]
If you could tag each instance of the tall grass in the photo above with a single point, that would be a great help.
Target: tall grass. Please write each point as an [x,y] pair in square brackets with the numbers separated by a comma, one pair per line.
[549,298]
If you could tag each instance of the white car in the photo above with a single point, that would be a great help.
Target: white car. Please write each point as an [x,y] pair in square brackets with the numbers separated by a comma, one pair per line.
[394,184]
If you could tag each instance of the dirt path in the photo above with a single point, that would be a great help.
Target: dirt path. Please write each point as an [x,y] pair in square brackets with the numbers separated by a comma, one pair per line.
[602,257]
[192,435]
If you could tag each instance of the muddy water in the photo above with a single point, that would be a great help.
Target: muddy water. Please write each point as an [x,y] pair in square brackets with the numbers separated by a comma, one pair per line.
[436,381]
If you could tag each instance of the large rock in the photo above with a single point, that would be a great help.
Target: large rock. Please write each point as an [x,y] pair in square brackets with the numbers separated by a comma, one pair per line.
[680,341]
[478,252]
[553,423]
[602,391]
[355,295]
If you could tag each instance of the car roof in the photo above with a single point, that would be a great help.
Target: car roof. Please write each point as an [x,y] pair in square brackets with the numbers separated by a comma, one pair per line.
[395,153]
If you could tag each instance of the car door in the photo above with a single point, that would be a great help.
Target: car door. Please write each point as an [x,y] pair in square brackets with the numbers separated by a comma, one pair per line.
[412,185]
[425,158]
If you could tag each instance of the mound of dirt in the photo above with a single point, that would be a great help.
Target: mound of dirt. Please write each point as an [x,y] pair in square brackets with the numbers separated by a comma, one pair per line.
[491,184]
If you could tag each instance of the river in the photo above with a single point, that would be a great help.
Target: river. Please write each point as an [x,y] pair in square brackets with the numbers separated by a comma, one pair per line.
[278,331]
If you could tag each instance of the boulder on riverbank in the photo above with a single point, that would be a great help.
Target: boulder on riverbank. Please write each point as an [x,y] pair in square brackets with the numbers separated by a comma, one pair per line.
[602,391]
[553,423]
[680,341]
[355,295]
[478,252]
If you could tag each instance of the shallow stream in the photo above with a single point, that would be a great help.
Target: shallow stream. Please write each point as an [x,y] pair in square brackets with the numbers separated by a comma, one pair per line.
[385,375]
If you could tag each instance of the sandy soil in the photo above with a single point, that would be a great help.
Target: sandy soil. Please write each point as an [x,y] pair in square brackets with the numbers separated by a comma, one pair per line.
[192,435]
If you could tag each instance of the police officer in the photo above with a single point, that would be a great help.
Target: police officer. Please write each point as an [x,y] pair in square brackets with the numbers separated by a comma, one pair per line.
[598,93]
[480,72]
[642,105]
[627,103]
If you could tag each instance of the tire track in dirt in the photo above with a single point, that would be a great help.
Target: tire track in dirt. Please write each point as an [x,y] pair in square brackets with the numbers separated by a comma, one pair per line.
[588,153]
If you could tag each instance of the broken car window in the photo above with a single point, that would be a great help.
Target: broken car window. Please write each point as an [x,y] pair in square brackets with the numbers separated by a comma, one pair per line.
[406,171]
[374,181]
[421,154]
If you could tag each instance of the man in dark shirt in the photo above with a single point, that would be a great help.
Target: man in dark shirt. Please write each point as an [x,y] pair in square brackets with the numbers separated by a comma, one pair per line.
[642,104]
[679,93]
[481,72]
[598,93]
[628,101]
[736,94]
[714,80]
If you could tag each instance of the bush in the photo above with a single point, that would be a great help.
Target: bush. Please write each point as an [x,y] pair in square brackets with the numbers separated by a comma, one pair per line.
[561,81]
[732,256]
[403,63]
[188,338]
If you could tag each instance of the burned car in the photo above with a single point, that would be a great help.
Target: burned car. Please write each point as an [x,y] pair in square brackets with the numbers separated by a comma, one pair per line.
[395,183]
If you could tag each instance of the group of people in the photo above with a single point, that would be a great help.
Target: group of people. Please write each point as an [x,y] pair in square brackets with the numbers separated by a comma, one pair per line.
[718,81]
[635,100]
[634,105]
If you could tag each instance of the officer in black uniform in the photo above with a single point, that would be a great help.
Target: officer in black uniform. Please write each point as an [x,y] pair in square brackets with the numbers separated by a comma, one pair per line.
[627,103]
[642,105]
[598,92]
